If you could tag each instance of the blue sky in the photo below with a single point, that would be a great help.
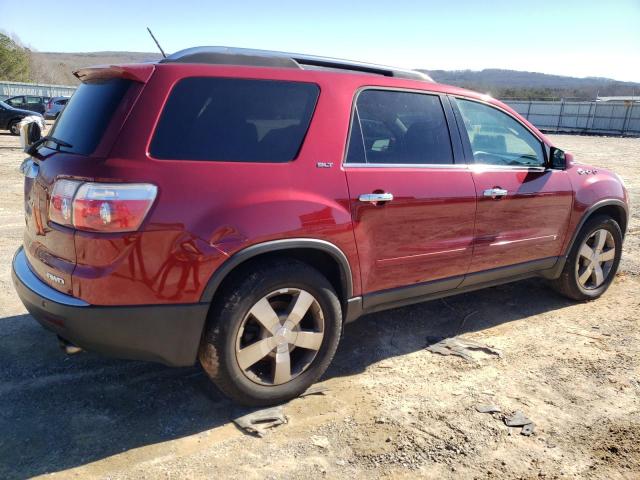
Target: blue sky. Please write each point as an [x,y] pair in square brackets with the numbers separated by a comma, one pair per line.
[579,38]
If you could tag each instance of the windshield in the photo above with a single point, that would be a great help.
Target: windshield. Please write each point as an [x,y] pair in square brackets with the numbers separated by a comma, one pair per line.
[4,105]
[87,114]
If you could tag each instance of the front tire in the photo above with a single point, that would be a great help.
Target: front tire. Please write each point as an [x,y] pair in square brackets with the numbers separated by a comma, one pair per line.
[13,127]
[593,261]
[272,332]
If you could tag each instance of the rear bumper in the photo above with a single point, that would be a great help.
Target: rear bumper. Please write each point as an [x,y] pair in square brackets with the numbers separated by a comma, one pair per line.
[168,334]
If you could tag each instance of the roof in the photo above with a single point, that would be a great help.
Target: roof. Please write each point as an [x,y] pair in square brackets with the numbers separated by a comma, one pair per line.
[269,58]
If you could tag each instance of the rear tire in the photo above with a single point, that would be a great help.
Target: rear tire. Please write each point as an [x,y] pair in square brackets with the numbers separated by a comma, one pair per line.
[255,348]
[593,261]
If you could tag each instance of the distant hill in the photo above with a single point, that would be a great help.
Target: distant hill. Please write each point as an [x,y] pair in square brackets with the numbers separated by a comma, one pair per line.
[57,68]
[517,84]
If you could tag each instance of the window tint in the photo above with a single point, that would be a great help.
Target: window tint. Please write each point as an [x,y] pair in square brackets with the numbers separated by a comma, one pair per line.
[16,102]
[498,139]
[399,128]
[85,118]
[238,120]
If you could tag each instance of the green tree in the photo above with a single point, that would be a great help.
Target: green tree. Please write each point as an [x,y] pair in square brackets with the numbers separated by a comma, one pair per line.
[14,60]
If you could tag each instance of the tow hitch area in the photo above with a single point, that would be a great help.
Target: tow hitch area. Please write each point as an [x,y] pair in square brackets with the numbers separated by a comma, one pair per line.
[68,347]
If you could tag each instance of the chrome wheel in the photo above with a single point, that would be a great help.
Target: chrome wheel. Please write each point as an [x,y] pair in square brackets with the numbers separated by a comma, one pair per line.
[595,259]
[14,129]
[280,336]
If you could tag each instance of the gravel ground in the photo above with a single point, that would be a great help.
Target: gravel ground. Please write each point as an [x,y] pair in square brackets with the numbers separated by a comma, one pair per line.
[393,409]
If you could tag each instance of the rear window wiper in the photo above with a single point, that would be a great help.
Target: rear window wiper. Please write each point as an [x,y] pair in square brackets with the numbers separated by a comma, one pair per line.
[33,148]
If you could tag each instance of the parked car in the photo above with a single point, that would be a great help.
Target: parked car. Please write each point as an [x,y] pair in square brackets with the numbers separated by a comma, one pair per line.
[242,205]
[10,117]
[28,102]
[54,107]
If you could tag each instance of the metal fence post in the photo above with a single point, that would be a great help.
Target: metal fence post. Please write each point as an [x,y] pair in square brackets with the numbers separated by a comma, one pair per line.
[627,116]
[560,115]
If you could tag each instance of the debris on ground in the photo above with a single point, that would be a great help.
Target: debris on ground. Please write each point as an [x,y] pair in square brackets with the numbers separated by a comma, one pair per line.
[460,347]
[320,441]
[488,408]
[259,421]
[315,390]
[519,419]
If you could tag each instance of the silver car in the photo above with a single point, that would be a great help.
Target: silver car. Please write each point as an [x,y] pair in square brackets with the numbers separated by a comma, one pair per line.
[55,106]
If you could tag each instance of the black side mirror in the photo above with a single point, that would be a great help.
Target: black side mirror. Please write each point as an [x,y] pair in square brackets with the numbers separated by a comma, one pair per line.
[557,160]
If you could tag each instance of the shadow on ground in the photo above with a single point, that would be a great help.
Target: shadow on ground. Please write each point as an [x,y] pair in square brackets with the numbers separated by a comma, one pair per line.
[60,412]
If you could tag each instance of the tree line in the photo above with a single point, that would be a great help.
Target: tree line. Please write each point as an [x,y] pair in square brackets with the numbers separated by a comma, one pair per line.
[15,64]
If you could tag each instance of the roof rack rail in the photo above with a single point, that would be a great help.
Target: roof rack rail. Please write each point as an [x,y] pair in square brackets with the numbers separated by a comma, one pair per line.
[269,58]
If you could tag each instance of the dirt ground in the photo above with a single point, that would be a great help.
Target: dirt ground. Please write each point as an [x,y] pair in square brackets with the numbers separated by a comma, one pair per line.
[393,409]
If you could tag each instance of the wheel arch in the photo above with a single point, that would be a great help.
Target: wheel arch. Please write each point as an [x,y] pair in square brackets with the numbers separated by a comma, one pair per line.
[614,208]
[323,255]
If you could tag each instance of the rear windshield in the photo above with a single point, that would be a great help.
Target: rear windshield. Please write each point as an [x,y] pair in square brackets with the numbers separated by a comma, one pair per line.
[87,114]
[235,120]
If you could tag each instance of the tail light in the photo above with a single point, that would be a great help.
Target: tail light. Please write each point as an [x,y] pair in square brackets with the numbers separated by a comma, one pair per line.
[101,207]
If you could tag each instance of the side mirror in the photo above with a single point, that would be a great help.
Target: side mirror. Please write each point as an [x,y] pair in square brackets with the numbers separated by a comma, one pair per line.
[30,132]
[558,160]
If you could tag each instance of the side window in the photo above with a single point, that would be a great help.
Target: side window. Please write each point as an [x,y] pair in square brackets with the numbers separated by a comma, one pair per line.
[498,139]
[34,100]
[234,120]
[392,127]
[16,102]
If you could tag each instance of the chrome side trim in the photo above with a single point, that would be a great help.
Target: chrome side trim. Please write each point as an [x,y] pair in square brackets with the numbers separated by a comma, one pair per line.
[484,167]
[446,166]
[37,286]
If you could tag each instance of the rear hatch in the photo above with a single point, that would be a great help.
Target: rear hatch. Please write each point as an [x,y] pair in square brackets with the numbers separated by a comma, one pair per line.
[80,140]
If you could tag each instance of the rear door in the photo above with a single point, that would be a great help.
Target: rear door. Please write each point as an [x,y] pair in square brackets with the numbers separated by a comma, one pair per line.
[523,206]
[413,204]
[35,104]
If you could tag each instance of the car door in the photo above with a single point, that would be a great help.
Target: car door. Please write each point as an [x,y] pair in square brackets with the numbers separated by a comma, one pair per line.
[35,104]
[16,102]
[523,206]
[413,204]
[4,117]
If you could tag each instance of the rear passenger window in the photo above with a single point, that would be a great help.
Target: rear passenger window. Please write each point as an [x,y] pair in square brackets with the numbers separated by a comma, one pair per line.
[234,120]
[391,127]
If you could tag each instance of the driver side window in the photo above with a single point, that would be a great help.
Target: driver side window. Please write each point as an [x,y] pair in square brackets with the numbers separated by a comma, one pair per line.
[498,139]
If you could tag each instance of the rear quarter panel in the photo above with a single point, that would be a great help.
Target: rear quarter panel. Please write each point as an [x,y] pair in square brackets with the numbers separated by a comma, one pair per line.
[208,210]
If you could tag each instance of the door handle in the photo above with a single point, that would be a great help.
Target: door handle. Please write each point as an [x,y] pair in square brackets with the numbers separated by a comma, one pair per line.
[496,193]
[376,197]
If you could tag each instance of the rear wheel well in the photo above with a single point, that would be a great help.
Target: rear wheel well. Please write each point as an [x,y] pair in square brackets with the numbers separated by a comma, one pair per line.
[322,261]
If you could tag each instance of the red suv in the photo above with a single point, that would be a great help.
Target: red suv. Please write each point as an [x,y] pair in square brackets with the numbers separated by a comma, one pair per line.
[238,206]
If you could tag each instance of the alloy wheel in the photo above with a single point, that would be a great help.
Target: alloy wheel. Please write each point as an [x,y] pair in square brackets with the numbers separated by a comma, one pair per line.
[280,336]
[595,259]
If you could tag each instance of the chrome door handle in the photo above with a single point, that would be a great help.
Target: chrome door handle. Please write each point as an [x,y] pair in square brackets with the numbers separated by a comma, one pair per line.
[376,197]
[495,193]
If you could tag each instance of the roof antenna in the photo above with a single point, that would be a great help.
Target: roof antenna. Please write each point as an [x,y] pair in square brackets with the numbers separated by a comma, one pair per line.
[154,39]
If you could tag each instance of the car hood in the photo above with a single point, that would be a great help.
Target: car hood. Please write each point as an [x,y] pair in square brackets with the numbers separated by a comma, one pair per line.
[25,112]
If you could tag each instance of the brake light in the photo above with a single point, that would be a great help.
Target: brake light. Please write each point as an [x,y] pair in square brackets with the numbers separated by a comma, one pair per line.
[61,202]
[101,207]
